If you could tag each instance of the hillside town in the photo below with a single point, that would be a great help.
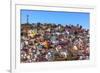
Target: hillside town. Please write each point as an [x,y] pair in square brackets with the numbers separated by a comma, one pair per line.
[47,42]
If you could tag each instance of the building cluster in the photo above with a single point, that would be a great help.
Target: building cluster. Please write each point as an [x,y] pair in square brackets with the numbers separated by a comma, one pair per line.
[53,42]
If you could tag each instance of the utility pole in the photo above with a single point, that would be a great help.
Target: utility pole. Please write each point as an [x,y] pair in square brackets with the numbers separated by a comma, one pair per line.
[27,19]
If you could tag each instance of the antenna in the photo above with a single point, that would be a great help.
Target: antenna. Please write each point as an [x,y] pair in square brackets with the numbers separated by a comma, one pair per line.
[27,19]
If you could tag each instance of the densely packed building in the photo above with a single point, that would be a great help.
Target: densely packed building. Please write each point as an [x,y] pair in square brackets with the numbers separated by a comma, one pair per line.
[41,42]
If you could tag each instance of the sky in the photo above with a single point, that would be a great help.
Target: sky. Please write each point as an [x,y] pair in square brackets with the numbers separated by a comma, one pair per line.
[56,17]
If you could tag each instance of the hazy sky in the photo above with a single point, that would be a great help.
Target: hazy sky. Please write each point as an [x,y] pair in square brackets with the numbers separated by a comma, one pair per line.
[56,17]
